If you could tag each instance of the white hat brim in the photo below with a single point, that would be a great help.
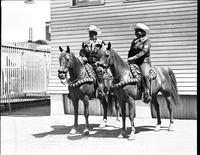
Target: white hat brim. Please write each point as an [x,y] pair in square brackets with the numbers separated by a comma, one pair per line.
[142,27]
[95,29]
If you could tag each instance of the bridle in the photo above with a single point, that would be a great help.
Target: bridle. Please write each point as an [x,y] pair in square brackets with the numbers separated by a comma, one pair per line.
[65,70]
[109,56]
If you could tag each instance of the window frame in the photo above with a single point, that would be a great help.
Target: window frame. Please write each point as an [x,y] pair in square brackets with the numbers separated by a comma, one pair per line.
[87,3]
[130,1]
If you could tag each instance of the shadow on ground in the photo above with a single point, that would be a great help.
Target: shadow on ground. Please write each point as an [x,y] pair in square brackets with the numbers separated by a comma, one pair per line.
[95,131]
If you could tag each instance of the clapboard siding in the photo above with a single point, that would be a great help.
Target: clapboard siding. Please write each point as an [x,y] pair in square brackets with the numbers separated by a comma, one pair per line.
[188,110]
[173,34]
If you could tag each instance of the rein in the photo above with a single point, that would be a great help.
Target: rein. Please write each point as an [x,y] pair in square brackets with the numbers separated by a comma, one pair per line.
[77,81]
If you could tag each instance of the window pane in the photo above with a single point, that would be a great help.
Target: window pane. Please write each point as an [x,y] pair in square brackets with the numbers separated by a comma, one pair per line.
[87,2]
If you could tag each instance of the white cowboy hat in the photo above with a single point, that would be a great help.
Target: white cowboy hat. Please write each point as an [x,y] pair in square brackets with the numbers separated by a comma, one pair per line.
[142,27]
[95,29]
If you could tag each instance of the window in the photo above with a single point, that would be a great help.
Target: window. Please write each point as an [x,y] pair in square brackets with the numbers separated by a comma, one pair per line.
[126,1]
[87,2]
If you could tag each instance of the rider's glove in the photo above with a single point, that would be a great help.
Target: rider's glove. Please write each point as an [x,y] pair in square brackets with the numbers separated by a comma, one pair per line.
[84,59]
[131,58]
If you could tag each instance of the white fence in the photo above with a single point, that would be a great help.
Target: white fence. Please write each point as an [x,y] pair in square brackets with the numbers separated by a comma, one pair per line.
[23,71]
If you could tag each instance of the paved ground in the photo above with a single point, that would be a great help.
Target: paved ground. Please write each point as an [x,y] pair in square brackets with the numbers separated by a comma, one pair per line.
[30,134]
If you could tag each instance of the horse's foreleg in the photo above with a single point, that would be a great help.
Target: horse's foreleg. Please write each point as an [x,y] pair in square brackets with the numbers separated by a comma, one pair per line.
[117,125]
[131,105]
[123,111]
[169,105]
[105,107]
[157,109]
[86,113]
[75,105]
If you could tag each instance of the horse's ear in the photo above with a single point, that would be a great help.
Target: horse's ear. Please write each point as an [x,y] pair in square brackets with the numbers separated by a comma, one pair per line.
[109,46]
[60,48]
[68,49]
[83,44]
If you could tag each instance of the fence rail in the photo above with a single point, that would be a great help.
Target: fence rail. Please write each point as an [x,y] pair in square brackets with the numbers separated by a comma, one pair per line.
[23,71]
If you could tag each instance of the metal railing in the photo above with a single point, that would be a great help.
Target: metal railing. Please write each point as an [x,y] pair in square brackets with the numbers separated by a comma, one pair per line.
[23,71]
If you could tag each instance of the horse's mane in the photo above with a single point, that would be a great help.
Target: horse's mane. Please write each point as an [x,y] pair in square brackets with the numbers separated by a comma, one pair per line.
[119,59]
[74,58]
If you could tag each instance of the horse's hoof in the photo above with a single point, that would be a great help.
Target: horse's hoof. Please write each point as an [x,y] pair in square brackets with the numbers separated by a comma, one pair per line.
[157,128]
[103,124]
[131,137]
[120,136]
[86,132]
[171,128]
[73,131]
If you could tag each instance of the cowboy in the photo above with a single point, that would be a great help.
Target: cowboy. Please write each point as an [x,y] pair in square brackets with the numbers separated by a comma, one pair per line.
[94,44]
[89,53]
[139,54]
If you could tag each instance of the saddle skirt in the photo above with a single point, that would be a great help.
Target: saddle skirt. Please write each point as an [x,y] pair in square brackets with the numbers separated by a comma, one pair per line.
[135,70]
[90,71]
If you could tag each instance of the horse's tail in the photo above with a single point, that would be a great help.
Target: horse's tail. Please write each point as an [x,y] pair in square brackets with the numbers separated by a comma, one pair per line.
[174,90]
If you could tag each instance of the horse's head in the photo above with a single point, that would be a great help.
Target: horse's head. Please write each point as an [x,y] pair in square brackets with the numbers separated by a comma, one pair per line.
[100,71]
[84,48]
[64,60]
[104,81]
[106,56]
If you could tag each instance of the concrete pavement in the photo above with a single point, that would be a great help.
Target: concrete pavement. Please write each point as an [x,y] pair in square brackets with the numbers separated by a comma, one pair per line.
[48,135]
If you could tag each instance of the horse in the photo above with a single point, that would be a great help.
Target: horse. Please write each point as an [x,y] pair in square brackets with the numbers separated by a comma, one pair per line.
[106,97]
[164,82]
[81,85]
[125,86]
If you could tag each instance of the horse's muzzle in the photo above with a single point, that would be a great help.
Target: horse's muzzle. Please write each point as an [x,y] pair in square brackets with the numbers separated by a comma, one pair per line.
[62,74]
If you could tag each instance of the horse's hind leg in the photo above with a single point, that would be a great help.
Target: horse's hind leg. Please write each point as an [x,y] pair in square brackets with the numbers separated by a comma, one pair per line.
[157,109]
[75,104]
[86,113]
[169,106]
